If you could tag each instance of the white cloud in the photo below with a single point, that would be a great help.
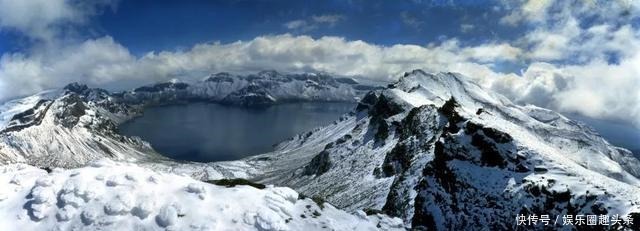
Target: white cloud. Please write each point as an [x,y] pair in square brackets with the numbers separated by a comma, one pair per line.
[595,89]
[588,84]
[570,71]
[411,20]
[41,19]
[330,19]
[103,61]
[315,22]
[464,28]
[296,24]
[529,10]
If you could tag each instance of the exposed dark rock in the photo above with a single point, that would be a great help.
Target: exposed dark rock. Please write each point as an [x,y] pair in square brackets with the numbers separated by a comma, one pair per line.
[32,116]
[496,135]
[162,87]
[396,161]
[320,164]
[251,96]
[220,77]
[361,87]
[235,182]
[540,169]
[346,80]
[73,108]
[48,169]
[28,115]
[489,153]
[448,109]
[370,211]
[382,130]
[385,108]
[76,88]
[367,102]
[472,128]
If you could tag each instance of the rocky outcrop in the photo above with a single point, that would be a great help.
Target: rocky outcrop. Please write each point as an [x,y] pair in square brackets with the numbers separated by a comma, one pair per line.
[445,154]
[250,96]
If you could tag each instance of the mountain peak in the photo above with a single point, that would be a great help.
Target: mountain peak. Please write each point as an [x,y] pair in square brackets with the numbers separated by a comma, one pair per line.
[268,73]
[76,87]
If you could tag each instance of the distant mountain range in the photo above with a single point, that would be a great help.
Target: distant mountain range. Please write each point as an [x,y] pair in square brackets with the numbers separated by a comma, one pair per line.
[436,150]
[74,125]
[261,89]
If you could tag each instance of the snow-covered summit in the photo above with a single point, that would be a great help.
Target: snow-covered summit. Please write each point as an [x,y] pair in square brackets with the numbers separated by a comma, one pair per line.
[115,196]
[444,153]
[435,149]
[263,88]
[68,128]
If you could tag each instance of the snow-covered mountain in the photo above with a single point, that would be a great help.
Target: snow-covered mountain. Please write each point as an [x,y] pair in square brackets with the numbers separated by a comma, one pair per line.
[68,128]
[437,150]
[117,196]
[445,154]
[261,89]
[74,125]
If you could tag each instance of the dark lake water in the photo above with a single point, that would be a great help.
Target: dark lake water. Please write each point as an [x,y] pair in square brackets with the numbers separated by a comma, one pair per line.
[211,132]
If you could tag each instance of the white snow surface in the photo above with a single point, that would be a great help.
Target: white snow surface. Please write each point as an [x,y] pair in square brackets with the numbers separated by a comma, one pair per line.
[12,107]
[109,195]
[574,158]
[48,143]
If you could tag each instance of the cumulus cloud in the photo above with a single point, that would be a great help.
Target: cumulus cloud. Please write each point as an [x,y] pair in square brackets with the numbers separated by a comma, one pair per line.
[104,61]
[529,10]
[597,89]
[577,65]
[570,67]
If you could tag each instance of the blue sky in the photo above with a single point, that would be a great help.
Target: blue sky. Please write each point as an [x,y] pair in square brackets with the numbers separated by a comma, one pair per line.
[576,57]
[143,26]
[147,25]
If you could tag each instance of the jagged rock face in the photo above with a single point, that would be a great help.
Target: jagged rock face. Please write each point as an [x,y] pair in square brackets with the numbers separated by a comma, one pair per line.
[320,164]
[445,154]
[68,130]
[158,94]
[72,109]
[435,149]
[250,96]
[30,117]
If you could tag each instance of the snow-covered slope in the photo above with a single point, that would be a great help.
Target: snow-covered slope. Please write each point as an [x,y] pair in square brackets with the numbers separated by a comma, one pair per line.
[68,128]
[446,154]
[74,125]
[435,149]
[13,107]
[116,196]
